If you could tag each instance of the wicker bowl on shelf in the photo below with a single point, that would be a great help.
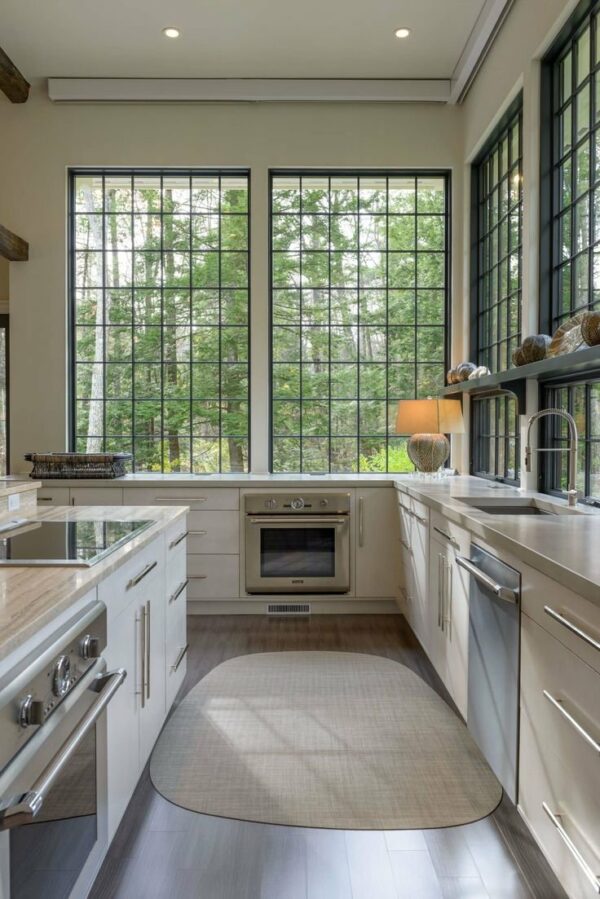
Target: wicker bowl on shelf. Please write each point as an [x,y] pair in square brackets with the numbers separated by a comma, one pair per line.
[78,465]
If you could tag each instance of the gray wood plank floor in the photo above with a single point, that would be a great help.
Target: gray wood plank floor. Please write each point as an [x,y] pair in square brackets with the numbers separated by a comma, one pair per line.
[167,852]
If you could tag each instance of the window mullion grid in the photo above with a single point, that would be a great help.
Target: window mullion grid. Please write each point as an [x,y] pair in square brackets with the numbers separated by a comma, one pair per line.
[330,448]
[220,334]
[301,287]
[387,323]
[133,251]
[358,324]
[190,341]
[104,333]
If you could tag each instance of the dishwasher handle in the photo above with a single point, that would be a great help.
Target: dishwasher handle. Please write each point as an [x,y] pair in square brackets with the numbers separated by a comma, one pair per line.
[505,593]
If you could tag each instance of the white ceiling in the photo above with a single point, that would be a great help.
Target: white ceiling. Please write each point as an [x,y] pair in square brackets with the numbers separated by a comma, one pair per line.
[237,38]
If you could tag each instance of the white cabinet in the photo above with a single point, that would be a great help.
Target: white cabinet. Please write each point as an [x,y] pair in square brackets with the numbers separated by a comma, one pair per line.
[151,618]
[53,496]
[448,619]
[414,536]
[377,545]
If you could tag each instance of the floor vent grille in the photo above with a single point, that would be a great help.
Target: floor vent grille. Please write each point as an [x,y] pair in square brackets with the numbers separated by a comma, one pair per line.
[288,608]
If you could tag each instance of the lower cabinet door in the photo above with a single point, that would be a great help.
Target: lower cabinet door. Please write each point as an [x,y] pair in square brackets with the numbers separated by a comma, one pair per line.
[122,715]
[176,646]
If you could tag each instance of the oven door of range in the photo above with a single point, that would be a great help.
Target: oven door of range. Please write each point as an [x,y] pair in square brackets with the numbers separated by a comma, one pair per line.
[52,797]
[297,553]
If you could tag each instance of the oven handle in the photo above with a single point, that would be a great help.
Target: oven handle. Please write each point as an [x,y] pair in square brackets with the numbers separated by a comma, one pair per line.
[288,519]
[22,809]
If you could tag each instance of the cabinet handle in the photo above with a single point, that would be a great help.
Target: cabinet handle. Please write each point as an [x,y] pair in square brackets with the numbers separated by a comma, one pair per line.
[446,536]
[556,820]
[178,540]
[147,647]
[197,533]
[439,616]
[558,704]
[181,656]
[45,499]
[448,589]
[180,499]
[572,627]
[405,544]
[197,577]
[139,577]
[178,592]
[420,518]
[361,524]
[142,622]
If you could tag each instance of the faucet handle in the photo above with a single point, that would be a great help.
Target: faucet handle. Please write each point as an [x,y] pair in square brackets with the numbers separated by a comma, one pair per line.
[528,458]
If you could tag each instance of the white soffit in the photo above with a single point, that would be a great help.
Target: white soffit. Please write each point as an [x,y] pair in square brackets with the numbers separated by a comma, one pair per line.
[478,44]
[266,90]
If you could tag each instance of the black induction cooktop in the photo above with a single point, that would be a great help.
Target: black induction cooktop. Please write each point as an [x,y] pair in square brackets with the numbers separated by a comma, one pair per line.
[79,543]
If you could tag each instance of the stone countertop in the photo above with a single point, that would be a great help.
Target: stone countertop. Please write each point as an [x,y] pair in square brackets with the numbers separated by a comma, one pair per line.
[230,480]
[17,484]
[564,547]
[32,596]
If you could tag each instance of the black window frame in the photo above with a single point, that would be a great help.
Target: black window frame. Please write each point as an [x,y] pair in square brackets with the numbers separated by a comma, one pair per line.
[551,264]
[489,352]
[446,175]
[166,172]
[481,437]
[5,326]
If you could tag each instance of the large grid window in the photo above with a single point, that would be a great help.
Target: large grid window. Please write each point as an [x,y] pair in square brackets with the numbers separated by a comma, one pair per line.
[495,438]
[159,315]
[582,400]
[359,277]
[498,199]
[573,78]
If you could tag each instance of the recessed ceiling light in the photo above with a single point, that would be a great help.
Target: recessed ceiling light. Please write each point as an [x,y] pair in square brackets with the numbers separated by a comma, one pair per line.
[171,32]
[402,32]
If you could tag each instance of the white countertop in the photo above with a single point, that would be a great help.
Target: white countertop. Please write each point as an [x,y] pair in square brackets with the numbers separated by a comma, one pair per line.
[564,547]
[228,480]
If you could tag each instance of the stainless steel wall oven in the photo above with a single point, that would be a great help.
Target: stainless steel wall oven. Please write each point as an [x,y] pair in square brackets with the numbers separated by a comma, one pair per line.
[297,544]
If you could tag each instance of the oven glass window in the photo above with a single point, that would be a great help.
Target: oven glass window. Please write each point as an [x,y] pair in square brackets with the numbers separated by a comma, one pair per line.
[47,856]
[297,552]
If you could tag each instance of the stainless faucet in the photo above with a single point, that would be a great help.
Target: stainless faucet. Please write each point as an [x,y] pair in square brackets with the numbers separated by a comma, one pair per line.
[571,449]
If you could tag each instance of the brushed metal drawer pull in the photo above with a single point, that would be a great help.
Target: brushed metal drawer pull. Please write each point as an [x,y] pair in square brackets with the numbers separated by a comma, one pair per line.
[197,533]
[180,499]
[139,577]
[571,627]
[178,592]
[558,704]
[147,646]
[593,878]
[45,499]
[197,577]
[405,544]
[181,656]
[420,518]
[446,536]
[178,540]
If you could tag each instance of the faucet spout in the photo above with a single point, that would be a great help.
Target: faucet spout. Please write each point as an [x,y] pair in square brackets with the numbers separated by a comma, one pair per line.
[571,448]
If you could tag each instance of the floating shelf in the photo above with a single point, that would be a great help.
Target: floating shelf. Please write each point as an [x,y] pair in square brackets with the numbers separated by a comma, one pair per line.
[514,379]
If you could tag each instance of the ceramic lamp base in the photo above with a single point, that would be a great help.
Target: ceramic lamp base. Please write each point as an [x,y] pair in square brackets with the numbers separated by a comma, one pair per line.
[428,452]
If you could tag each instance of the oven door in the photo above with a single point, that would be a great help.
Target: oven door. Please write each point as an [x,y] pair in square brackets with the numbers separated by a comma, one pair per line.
[51,798]
[297,554]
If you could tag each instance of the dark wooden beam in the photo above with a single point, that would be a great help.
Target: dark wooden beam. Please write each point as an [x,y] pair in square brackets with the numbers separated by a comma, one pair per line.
[12,247]
[12,82]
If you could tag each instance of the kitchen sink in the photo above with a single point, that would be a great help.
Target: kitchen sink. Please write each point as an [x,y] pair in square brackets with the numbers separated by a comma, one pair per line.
[516,506]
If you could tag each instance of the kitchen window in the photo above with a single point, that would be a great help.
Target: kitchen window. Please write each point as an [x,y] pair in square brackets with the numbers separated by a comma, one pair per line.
[497,221]
[570,194]
[495,438]
[359,308]
[159,285]
[582,400]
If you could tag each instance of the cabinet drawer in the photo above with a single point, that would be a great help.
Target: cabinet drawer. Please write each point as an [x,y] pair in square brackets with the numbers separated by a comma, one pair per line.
[176,567]
[214,532]
[213,576]
[96,496]
[197,498]
[558,763]
[415,508]
[176,650]
[131,582]
[449,533]
[53,496]
[559,610]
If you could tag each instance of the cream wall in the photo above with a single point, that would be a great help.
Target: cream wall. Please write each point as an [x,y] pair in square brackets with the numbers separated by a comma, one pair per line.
[514,64]
[4,267]
[40,140]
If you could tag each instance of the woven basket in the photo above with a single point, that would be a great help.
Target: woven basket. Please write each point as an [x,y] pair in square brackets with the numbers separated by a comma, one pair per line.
[78,465]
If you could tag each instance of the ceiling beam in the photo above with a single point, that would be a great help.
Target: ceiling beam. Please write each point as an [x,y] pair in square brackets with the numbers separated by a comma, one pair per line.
[12,247]
[12,82]
[487,26]
[248,90]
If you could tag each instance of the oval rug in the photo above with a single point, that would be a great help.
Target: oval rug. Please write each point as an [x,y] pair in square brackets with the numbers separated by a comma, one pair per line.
[322,739]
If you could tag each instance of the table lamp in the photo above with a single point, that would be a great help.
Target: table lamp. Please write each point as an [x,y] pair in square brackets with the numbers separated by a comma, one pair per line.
[428,421]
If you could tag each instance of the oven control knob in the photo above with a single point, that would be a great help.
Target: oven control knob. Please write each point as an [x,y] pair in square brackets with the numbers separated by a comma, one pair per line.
[89,648]
[62,676]
[30,711]
[297,503]
[270,504]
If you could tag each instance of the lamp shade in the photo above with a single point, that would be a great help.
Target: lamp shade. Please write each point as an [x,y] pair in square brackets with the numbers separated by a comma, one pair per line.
[430,416]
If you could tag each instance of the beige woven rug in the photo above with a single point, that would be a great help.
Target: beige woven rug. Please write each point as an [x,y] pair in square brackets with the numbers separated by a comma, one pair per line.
[322,739]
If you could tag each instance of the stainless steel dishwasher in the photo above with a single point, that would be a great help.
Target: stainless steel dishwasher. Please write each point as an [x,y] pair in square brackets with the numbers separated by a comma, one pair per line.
[494,654]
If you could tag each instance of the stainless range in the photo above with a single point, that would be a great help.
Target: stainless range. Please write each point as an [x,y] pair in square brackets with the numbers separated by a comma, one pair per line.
[52,759]
[297,543]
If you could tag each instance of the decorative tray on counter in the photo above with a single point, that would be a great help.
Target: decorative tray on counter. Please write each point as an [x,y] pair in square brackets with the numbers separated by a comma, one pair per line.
[78,465]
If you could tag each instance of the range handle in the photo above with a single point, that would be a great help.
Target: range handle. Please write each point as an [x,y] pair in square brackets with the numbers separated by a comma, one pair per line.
[502,592]
[22,809]
[293,519]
